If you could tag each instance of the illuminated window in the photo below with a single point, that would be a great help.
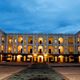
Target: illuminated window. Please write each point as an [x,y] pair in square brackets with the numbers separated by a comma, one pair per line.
[60,40]
[19,49]
[10,39]
[3,39]
[50,40]
[9,49]
[71,49]
[2,48]
[70,40]
[61,49]
[30,40]
[15,40]
[30,50]
[40,40]
[40,49]
[50,49]
[20,39]
[61,59]
[78,40]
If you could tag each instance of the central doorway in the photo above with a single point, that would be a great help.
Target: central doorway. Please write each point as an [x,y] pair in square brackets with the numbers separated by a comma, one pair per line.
[40,59]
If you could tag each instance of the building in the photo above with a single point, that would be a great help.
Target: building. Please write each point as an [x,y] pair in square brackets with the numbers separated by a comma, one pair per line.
[55,48]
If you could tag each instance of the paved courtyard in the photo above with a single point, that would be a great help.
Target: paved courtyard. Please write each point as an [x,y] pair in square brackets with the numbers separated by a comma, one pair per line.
[47,72]
[6,71]
[37,72]
[72,73]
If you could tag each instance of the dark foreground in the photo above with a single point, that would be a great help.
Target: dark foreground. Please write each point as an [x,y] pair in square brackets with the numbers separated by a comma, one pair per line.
[37,72]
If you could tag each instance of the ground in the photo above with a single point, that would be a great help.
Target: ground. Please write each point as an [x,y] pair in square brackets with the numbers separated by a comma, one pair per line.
[72,73]
[37,72]
[6,71]
[69,72]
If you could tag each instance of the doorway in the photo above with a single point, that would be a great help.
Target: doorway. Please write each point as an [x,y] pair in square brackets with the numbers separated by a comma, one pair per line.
[40,59]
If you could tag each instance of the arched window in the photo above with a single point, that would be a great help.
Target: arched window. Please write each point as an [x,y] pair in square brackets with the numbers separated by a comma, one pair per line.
[60,40]
[30,50]
[9,49]
[50,40]
[19,49]
[3,39]
[78,40]
[10,40]
[20,39]
[70,40]
[61,49]
[30,40]
[71,49]
[50,49]
[2,48]
[40,40]
[40,49]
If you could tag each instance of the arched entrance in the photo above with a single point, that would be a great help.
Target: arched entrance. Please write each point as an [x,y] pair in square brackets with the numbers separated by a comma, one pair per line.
[51,58]
[40,59]
[19,58]
[61,59]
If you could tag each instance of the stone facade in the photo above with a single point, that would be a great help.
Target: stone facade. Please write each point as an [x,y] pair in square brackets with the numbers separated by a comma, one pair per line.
[39,47]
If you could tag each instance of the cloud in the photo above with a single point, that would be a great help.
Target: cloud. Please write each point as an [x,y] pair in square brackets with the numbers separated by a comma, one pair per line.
[40,16]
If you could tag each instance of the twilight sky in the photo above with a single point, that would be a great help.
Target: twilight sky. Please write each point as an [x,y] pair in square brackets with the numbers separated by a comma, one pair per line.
[40,16]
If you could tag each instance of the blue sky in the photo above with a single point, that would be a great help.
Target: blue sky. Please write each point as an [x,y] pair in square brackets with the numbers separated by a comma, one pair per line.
[40,16]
